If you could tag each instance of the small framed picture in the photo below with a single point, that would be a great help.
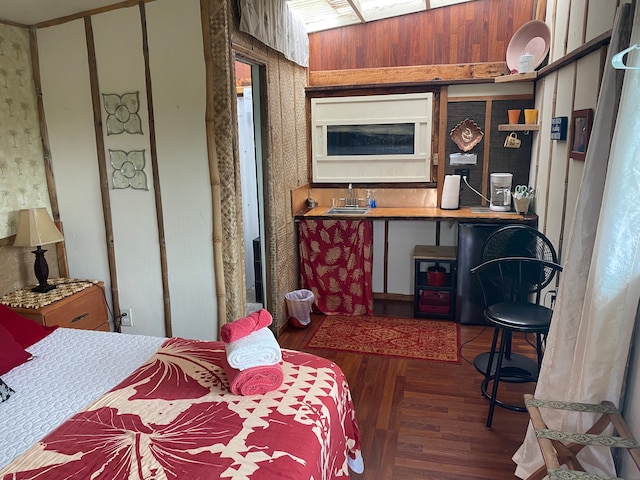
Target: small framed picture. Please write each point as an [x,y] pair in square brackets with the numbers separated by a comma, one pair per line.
[581,121]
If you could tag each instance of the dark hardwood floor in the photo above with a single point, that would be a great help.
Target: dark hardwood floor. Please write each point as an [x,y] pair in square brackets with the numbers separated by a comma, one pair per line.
[426,420]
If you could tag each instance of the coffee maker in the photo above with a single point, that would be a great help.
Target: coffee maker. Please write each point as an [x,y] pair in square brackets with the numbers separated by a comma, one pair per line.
[500,184]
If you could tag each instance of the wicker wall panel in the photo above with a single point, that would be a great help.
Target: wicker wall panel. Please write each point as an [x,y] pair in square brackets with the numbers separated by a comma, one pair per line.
[285,166]
[228,159]
[287,105]
[300,83]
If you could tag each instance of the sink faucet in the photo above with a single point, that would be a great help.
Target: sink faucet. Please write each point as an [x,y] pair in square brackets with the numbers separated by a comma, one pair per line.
[350,199]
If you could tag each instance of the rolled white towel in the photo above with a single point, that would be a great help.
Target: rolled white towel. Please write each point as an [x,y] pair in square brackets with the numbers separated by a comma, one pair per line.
[257,348]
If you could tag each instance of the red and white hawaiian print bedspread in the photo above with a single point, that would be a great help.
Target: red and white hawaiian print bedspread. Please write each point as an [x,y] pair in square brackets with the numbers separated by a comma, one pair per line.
[175,417]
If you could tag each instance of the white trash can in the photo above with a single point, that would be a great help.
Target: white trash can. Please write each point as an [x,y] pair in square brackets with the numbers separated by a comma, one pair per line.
[299,304]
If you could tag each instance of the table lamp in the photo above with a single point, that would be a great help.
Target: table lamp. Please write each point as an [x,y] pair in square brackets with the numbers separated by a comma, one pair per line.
[35,228]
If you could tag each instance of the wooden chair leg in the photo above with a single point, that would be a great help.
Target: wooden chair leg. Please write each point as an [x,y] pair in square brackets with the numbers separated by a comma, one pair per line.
[539,474]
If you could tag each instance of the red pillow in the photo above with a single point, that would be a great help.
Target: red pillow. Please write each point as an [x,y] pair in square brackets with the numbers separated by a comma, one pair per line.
[12,353]
[26,332]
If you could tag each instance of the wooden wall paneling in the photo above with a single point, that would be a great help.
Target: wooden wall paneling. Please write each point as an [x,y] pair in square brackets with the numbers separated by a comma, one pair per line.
[413,35]
[541,10]
[442,140]
[440,40]
[471,32]
[488,141]
[435,134]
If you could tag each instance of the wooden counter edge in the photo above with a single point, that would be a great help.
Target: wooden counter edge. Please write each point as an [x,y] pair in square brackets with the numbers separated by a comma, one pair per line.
[418,213]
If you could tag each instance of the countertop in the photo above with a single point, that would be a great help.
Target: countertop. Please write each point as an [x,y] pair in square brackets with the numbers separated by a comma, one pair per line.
[462,214]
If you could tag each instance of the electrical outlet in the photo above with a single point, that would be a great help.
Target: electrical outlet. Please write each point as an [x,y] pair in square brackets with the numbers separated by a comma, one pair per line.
[463,172]
[126,318]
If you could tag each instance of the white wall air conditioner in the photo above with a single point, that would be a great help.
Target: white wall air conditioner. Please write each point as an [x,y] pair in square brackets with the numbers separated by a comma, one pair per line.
[377,138]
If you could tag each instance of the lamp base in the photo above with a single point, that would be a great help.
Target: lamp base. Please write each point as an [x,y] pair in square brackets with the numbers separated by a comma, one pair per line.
[43,288]
[41,269]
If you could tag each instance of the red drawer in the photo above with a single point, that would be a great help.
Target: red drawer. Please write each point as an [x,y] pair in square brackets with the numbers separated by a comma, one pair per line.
[433,301]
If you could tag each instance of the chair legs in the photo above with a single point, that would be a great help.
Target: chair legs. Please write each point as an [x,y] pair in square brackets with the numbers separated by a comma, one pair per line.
[512,373]
[496,377]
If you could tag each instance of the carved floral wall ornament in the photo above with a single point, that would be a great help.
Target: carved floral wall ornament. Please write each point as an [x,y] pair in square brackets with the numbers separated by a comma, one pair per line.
[122,113]
[23,181]
[128,169]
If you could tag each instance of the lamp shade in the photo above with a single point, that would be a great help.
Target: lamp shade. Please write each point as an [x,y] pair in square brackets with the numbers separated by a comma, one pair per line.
[36,228]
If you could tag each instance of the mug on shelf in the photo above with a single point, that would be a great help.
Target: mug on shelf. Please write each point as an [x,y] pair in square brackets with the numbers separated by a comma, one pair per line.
[512,141]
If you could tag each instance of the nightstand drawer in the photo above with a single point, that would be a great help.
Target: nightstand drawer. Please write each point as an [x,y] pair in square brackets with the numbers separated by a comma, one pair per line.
[85,310]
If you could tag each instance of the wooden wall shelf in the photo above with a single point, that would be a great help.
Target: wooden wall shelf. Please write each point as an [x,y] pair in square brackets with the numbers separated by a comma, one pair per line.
[518,77]
[518,127]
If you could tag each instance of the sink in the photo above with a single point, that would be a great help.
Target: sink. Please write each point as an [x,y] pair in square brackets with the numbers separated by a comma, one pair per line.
[347,211]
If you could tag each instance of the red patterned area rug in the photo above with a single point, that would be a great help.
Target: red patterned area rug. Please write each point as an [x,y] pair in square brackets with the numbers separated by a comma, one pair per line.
[393,337]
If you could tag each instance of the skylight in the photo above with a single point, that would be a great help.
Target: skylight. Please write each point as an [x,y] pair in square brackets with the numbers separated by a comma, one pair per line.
[326,14]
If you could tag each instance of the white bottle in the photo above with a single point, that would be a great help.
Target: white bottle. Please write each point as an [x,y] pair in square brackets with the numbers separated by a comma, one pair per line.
[525,63]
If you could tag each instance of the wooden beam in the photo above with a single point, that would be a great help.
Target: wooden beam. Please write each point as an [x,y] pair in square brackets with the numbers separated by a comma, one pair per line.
[541,10]
[88,13]
[162,243]
[102,170]
[355,4]
[421,73]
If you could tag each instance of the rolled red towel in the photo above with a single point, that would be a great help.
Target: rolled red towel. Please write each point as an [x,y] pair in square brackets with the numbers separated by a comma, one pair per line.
[255,380]
[230,332]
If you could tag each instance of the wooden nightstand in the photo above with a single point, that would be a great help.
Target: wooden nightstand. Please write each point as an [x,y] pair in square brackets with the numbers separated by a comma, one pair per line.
[74,304]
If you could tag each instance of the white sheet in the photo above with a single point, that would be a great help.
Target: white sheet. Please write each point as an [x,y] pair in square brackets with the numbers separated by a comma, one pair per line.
[71,368]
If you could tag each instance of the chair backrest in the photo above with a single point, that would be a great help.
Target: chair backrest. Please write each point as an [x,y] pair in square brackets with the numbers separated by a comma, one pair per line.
[519,241]
[510,279]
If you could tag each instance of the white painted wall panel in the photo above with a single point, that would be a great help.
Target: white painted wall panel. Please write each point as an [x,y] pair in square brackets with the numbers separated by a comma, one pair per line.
[178,73]
[558,19]
[120,66]
[403,237]
[600,19]
[576,24]
[66,96]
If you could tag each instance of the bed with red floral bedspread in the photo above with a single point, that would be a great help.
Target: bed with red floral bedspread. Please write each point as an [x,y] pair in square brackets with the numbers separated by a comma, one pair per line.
[175,418]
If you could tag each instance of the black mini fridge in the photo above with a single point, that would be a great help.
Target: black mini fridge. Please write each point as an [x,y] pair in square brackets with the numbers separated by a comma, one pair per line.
[471,240]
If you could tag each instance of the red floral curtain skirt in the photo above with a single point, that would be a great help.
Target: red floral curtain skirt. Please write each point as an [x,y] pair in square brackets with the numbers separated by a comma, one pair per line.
[335,264]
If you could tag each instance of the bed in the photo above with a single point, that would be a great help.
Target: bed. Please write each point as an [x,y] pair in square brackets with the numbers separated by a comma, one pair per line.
[106,405]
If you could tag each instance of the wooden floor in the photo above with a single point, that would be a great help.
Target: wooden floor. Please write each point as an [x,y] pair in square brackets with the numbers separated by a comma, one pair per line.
[426,420]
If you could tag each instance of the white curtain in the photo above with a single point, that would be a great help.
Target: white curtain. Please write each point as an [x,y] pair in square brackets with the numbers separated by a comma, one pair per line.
[589,341]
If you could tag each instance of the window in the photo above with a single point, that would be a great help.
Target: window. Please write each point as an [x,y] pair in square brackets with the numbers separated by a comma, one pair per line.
[378,138]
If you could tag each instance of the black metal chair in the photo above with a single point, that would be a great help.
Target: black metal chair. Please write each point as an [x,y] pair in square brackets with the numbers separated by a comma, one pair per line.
[514,241]
[512,289]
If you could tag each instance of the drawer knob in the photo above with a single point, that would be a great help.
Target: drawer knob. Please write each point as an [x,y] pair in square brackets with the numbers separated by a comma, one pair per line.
[80,317]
